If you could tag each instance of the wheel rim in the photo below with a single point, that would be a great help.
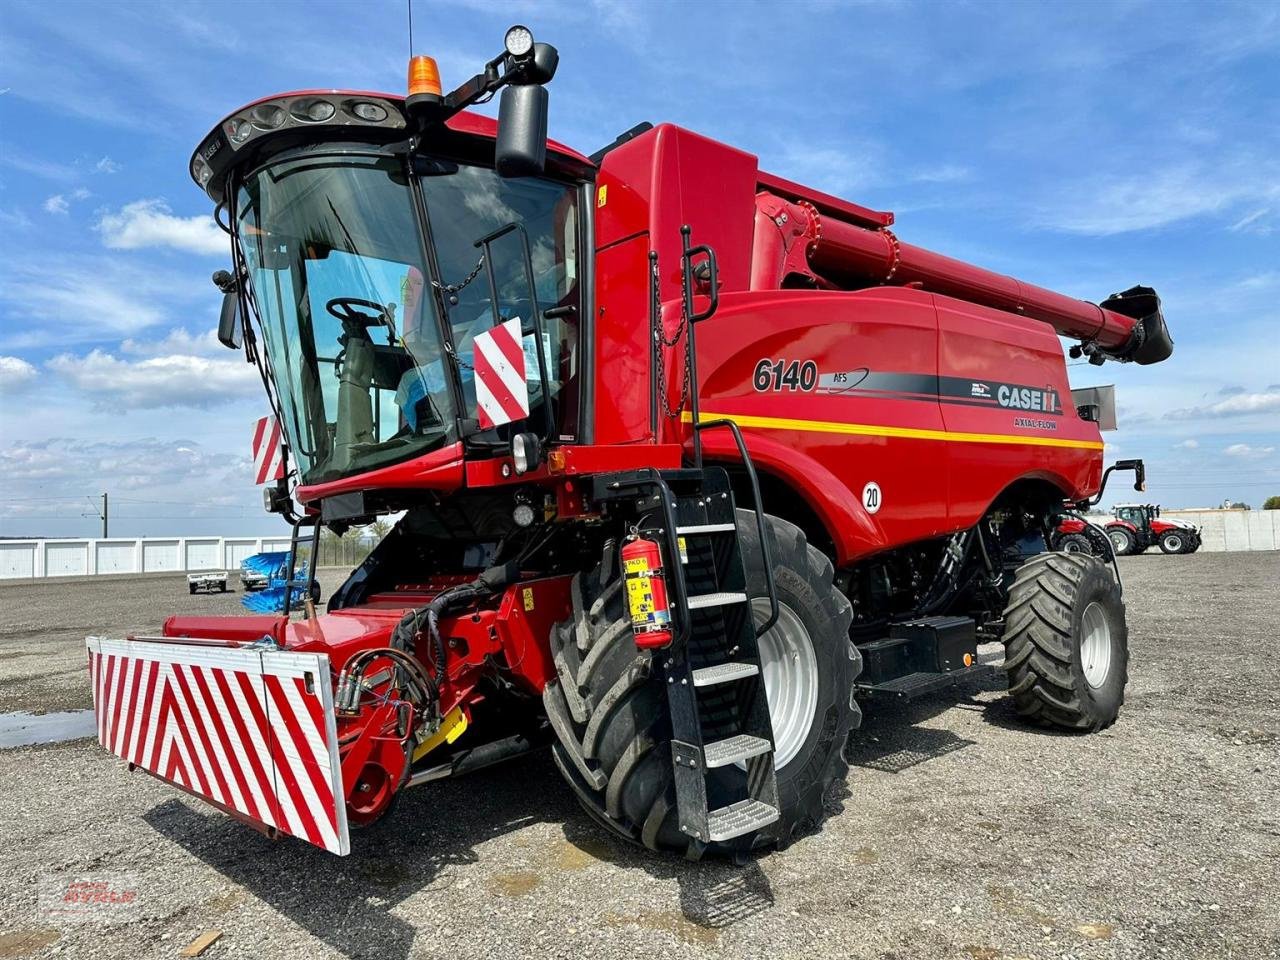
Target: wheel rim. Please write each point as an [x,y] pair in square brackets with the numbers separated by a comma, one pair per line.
[1095,645]
[790,670]
[1072,546]
[1173,542]
[1119,541]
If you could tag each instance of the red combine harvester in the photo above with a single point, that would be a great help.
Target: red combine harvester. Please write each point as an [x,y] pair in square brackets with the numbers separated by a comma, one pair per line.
[693,460]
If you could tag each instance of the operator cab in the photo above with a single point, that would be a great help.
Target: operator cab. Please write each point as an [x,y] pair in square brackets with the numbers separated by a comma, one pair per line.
[1138,514]
[374,239]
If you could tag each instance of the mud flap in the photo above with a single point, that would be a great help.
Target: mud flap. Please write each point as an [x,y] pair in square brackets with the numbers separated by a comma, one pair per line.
[250,730]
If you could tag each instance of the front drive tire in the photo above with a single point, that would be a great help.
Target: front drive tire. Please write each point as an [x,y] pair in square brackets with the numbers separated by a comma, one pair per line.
[1066,642]
[1173,542]
[609,710]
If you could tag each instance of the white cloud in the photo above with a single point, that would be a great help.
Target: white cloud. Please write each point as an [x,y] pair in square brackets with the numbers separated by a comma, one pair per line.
[107,165]
[1108,205]
[946,173]
[180,469]
[15,373]
[60,203]
[149,223]
[1236,405]
[176,342]
[1187,445]
[177,380]
[1246,452]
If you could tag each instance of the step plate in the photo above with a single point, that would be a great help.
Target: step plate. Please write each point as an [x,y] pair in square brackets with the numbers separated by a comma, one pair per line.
[723,673]
[715,600]
[707,528]
[721,753]
[745,816]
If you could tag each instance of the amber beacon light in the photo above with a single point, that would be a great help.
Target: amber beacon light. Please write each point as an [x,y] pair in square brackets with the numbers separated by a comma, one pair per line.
[424,81]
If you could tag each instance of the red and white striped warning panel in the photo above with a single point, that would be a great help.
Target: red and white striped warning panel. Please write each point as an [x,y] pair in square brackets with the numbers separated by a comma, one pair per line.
[502,394]
[250,730]
[268,450]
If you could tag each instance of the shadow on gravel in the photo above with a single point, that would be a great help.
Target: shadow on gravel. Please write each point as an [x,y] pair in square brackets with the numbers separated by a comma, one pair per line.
[714,893]
[347,901]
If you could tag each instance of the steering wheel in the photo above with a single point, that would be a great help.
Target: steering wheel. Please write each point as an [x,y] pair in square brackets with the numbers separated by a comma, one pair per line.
[345,309]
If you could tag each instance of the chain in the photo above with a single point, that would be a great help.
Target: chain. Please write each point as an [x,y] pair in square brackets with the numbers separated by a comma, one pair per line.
[662,341]
[451,288]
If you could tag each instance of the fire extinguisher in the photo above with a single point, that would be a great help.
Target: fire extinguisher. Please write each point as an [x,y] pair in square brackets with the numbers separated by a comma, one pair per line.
[646,592]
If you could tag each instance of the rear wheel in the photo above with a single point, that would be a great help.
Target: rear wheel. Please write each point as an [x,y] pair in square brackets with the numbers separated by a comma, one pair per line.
[1066,642]
[609,709]
[1122,541]
[1172,541]
[1074,543]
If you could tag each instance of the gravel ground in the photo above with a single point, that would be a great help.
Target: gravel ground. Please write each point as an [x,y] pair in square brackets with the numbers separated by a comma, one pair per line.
[959,833]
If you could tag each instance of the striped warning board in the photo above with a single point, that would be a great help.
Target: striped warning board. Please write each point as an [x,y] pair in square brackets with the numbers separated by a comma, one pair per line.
[251,731]
[268,451]
[502,394]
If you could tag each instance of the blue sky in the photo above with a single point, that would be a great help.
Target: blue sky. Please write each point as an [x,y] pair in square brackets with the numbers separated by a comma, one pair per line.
[1084,146]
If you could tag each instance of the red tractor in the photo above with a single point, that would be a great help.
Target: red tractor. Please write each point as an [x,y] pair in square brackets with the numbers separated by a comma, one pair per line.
[1138,526]
[693,461]
[1076,534]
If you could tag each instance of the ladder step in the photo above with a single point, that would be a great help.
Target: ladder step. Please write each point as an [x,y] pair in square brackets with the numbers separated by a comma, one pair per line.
[738,818]
[723,673]
[721,753]
[708,528]
[715,600]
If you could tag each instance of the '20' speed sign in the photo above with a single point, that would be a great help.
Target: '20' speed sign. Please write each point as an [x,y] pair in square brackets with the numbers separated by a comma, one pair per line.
[871,497]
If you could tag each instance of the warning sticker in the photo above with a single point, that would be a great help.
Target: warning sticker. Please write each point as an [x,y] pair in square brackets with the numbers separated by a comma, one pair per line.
[527,596]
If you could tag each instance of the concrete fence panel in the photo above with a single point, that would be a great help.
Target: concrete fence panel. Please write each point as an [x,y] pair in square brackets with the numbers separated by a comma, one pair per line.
[17,559]
[68,558]
[116,556]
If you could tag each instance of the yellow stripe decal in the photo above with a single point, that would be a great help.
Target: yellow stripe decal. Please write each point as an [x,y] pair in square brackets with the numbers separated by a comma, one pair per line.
[879,430]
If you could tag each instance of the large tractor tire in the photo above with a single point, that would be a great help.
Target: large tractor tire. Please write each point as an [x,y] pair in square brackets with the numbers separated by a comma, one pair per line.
[1122,541]
[1174,541]
[1074,543]
[609,708]
[1066,642]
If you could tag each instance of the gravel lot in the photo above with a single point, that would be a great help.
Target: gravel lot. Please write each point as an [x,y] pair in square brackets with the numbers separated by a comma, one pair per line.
[962,833]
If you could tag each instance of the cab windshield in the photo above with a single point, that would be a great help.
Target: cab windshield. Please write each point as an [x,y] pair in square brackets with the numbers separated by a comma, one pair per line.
[349,306]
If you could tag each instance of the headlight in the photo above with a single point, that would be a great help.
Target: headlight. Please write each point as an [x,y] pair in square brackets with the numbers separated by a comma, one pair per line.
[267,116]
[369,111]
[313,111]
[518,41]
[525,452]
[522,515]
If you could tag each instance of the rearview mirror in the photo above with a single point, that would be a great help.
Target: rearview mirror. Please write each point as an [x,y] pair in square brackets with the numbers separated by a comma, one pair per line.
[229,322]
[521,149]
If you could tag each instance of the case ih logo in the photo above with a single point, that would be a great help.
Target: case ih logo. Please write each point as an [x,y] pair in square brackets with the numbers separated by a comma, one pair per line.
[980,390]
[1028,398]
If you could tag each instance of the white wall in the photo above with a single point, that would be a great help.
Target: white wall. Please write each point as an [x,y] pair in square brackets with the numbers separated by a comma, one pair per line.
[25,559]
[1233,529]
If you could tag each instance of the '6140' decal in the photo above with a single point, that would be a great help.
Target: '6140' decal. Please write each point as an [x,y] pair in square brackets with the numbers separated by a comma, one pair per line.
[785,375]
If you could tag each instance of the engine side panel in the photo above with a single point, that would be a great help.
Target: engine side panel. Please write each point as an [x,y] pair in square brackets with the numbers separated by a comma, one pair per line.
[877,423]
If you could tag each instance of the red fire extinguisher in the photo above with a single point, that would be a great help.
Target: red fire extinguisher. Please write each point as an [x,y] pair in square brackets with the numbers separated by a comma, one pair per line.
[646,592]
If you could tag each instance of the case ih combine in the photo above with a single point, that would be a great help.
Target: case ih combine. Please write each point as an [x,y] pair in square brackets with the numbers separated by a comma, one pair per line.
[693,459]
